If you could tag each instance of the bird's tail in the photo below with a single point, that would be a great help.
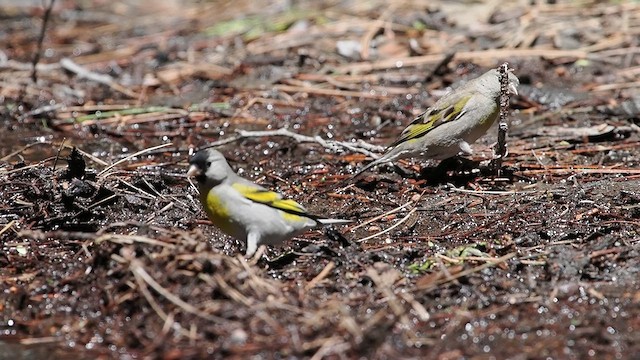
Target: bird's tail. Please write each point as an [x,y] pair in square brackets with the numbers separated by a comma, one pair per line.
[333,221]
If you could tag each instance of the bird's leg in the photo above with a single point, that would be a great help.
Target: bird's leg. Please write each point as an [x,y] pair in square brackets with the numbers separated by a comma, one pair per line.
[252,244]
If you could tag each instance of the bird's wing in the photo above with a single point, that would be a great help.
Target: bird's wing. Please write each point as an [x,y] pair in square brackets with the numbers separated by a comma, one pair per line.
[270,198]
[447,109]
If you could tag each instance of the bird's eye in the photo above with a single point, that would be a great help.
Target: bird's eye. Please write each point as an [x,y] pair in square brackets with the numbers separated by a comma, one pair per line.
[208,163]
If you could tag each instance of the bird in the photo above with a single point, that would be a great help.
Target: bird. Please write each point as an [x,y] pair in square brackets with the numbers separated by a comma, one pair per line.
[454,122]
[245,210]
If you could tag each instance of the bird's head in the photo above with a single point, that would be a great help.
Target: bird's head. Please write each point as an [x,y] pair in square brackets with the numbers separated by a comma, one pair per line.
[209,167]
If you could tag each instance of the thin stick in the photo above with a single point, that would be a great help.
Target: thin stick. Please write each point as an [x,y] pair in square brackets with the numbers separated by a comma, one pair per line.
[381,216]
[579,170]
[618,86]
[222,142]
[55,162]
[501,147]
[129,239]
[95,159]
[41,162]
[367,66]
[43,30]
[139,272]
[132,156]
[7,227]
[40,340]
[323,274]
[360,146]
[390,227]
[9,156]
[168,319]
[487,192]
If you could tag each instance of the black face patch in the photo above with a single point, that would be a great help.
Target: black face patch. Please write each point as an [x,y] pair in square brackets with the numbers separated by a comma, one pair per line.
[201,161]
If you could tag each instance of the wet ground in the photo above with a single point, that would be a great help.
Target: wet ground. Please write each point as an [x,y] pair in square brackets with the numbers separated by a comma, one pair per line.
[107,254]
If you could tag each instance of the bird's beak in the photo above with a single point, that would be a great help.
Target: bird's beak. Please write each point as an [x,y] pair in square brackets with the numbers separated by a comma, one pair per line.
[513,89]
[193,171]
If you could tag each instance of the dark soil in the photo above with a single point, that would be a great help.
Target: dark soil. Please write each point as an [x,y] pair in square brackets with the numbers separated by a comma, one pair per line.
[103,258]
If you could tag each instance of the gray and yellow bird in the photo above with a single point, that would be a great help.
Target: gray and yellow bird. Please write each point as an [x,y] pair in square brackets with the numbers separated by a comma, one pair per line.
[454,122]
[245,210]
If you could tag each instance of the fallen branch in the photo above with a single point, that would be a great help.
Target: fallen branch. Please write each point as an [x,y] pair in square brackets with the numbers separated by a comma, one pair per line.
[333,145]
[460,56]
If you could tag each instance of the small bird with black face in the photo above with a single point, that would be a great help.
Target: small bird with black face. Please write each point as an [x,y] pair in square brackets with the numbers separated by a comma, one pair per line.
[245,210]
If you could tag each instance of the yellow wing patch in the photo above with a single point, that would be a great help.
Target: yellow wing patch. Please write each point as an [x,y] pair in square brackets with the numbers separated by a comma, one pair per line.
[292,210]
[430,120]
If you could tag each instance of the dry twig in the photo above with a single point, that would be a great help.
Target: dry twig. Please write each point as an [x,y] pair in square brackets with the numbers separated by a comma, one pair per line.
[333,145]
[43,31]
[500,150]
